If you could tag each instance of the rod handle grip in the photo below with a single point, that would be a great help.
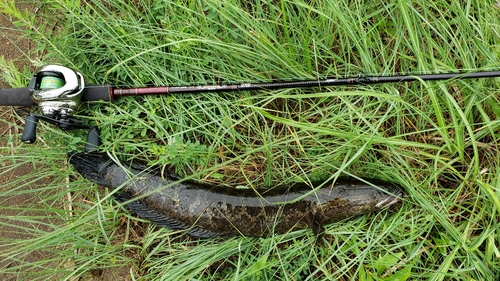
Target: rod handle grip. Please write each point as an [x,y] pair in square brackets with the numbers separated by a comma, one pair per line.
[16,96]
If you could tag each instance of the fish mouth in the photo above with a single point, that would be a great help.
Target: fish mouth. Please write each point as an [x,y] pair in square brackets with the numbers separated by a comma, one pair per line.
[391,199]
[92,166]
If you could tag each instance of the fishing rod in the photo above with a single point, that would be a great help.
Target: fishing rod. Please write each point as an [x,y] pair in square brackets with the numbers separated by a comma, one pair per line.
[59,90]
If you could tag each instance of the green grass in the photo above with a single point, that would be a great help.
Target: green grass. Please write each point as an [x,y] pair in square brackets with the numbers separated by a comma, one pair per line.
[438,140]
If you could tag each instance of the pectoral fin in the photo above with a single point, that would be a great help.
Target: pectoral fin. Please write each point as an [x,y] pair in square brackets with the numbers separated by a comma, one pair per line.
[317,228]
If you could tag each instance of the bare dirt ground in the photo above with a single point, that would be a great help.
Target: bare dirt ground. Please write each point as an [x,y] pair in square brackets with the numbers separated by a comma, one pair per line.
[14,48]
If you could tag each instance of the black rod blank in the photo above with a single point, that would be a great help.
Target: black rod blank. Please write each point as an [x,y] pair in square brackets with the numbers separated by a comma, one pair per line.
[359,80]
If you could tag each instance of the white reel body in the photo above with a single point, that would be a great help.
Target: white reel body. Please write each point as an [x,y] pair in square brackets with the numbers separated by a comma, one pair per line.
[57,89]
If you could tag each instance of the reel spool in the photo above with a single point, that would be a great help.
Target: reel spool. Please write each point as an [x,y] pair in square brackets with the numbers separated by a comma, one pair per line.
[58,91]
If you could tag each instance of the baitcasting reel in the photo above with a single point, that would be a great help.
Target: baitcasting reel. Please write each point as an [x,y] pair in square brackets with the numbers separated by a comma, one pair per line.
[58,91]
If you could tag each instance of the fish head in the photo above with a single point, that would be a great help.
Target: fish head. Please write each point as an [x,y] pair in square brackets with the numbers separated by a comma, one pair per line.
[92,166]
[376,195]
[358,199]
[390,195]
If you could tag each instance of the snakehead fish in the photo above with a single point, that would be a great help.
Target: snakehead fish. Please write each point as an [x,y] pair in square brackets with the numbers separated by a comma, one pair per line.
[206,211]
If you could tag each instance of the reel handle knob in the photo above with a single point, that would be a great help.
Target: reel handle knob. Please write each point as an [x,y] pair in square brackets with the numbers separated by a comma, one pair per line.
[29,132]
[93,140]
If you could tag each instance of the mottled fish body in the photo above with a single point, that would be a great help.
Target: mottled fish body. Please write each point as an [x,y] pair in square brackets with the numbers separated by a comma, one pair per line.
[207,211]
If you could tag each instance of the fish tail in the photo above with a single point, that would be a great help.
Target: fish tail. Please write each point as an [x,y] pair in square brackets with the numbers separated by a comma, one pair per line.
[92,166]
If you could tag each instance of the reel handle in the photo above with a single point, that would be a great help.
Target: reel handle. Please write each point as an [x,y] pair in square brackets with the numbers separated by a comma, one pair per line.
[63,122]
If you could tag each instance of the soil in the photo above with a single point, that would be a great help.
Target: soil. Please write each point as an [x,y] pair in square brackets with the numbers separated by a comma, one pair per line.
[14,48]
